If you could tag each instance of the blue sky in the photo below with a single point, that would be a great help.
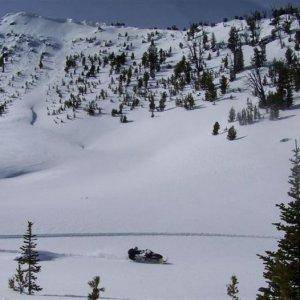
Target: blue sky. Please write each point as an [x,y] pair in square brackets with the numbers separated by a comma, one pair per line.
[142,13]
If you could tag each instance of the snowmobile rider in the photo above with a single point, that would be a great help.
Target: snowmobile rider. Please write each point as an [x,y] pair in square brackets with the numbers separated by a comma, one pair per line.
[133,252]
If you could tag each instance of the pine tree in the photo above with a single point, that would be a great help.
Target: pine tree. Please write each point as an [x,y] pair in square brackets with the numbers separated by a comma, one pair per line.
[211,92]
[152,105]
[146,78]
[240,119]
[223,84]
[213,41]
[290,57]
[17,283]
[254,26]
[258,58]
[283,84]
[232,289]
[232,115]
[216,128]
[282,267]
[249,116]
[231,135]
[238,60]
[162,101]
[91,72]
[244,116]
[153,59]
[19,279]
[29,260]
[256,113]
[233,40]
[183,67]
[2,63]
[204,38]
[189,102]
[94,285]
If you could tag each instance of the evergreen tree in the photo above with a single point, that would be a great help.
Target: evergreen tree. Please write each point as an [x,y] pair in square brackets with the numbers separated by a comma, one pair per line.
[231,135]
[204,38]
[233,40]
[283,76]
[258,58]
[91,72]
[153,59]
[232,289]
[216,128]
[256,113]
[225,61]
[290,57]
[223,84]
[189,102]
[162,101]
[94,285]
[17,283]
[238,60]
[282,267]
[234,44]
[213,41]
[2,63]
[183,68]
[239,118]
[287,26]
[254,27]
[211,91]
[249,116]
[232,115]
[151,103]
[29,260]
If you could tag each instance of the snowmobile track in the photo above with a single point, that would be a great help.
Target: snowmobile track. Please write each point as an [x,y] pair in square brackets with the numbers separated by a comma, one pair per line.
[133,234]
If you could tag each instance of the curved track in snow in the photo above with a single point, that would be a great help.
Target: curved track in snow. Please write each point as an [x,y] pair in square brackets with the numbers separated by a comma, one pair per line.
[128,234]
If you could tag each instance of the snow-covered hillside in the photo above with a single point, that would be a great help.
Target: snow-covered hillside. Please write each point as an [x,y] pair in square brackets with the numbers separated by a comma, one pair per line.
[70,172]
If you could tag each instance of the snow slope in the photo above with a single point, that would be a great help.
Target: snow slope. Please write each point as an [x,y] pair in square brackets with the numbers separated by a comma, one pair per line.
[168,169]
[166,174]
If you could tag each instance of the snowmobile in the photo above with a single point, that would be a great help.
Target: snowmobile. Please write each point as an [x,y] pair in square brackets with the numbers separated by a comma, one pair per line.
[146,256]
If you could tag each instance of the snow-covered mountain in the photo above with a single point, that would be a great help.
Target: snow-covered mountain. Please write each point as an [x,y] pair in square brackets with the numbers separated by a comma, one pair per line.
[70,172]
